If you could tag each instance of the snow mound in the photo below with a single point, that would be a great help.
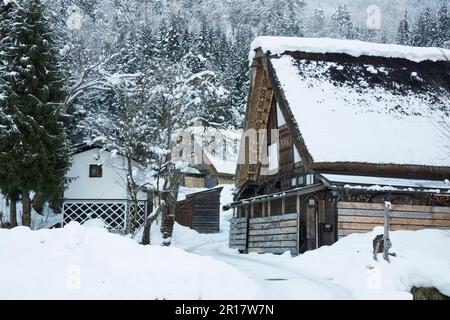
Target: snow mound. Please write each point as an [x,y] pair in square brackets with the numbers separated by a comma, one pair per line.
[355,48]
[90,263]
[95,223]
[422,260]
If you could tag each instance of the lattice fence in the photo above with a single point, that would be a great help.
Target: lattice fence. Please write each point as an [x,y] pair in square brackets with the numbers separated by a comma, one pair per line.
[141,215]
[114,213]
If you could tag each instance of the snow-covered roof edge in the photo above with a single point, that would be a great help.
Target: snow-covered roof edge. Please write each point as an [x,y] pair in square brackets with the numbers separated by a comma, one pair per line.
[355,48]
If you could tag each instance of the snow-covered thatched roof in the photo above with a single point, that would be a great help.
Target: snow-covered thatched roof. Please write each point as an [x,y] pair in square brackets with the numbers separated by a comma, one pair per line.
[354,48]
[361,102]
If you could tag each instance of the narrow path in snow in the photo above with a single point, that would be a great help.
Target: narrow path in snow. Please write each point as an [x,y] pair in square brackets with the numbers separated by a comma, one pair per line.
[275,281]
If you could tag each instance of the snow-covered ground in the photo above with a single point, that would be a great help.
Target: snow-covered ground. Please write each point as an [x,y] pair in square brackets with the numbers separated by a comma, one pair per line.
[89,263]
[345,270]
[80,262]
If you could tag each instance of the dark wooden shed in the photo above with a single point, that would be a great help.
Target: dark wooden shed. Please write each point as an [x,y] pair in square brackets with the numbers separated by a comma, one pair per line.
[200,211]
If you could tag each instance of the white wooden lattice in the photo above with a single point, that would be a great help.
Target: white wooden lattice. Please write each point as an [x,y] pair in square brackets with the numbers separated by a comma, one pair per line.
[114,213]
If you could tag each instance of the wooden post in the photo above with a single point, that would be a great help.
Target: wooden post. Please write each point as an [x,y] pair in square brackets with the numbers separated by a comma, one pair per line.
[283,206]
[252,210]
[269,208]
[263,204]
[246,212]
[387,241]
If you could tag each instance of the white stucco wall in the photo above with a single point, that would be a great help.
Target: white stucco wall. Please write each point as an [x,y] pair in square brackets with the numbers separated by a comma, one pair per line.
[112,184]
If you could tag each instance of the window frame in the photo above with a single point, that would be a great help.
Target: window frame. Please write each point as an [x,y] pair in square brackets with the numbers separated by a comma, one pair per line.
[99,171]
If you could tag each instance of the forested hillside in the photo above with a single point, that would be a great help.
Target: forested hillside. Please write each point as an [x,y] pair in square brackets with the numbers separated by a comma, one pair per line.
[187,37]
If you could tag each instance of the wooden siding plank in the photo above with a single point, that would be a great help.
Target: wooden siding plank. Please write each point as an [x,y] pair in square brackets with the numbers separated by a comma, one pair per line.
[395,207]
[273,244]
[441,216]
[394,227]
[396,221]
[238,242]
[237,220]
[240,237]
[238,231]
[278,237]
[273,231]
[274,225]
[380,213]
[286,217]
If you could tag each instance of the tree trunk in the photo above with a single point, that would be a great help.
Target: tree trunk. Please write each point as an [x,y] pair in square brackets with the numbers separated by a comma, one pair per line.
[169,198]
[13,210]
[168,219]
[38,202]
[135,209]
[26,209]
[148,225]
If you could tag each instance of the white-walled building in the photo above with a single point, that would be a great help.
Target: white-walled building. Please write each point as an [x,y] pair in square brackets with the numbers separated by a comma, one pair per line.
[99,188]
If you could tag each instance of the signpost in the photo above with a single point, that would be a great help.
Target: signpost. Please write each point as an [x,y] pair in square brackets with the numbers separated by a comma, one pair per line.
[387,240]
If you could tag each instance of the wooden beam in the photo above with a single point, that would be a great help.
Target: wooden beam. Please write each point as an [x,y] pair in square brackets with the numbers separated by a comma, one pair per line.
[283,206]
[279,195]
[252,210]
[269,208]
[263,205]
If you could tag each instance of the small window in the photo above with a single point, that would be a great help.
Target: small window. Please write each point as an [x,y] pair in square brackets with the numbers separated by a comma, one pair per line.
[280,118]
[273,156]
[294,182]
[301,180]
[224,150]
[95,171]
[309,179]
[297,158]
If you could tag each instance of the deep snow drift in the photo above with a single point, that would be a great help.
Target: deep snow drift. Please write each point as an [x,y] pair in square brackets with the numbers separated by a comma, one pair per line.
[80,262]
[345,270]
[89,263]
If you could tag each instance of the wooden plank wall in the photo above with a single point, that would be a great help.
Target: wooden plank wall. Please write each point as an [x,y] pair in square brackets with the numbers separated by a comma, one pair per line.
[200,211]
[276,234]
[239,233]
[183,214]
[356,217]
[206,211]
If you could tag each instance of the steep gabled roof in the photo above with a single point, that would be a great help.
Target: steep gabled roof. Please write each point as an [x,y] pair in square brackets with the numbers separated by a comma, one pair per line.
[353,102]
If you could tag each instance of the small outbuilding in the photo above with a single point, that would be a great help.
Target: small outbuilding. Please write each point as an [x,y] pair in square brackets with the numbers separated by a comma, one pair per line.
[98,188]
[200,211]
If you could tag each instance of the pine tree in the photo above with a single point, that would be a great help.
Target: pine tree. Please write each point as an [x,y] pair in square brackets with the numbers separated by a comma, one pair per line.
[37,158]
[317,24]
[404,34]
[443,37]
[9,133]
[341,24]
[426,31]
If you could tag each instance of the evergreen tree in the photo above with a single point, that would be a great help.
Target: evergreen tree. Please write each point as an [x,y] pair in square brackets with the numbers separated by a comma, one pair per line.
[37,157]
[341,24]
[404,34]
[9,133]
[317,24]
[443,37]
[426,32]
